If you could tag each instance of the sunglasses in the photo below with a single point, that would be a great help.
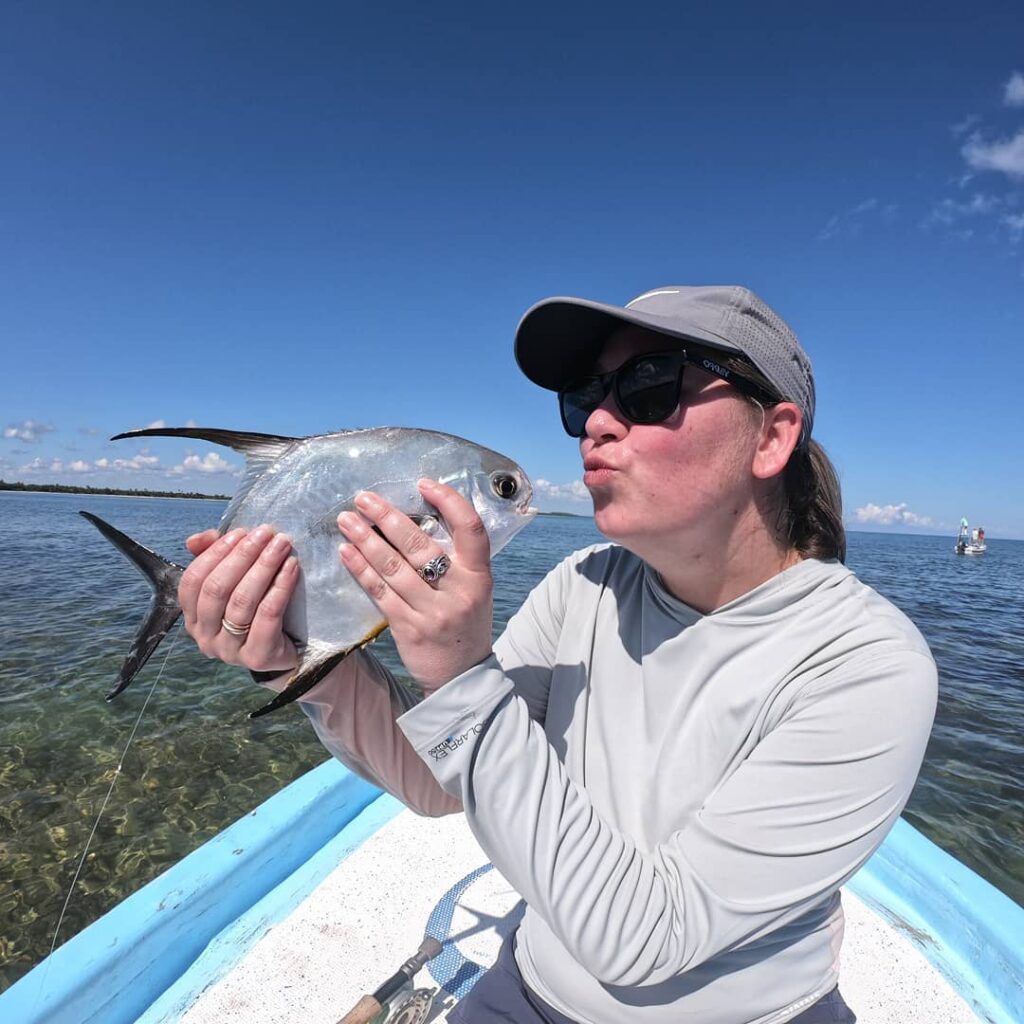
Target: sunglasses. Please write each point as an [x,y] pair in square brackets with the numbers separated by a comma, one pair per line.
[646,389]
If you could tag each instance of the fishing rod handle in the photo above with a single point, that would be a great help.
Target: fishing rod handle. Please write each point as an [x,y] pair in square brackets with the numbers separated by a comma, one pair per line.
[363,1012]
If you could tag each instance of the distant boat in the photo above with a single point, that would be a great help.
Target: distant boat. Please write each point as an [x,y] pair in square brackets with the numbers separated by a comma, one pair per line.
[970,541]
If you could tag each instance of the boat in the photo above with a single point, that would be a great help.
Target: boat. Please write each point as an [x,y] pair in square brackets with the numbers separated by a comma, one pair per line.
[298,910]
[970,541]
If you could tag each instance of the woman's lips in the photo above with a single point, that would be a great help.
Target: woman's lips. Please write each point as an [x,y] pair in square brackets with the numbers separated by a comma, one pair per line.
[595,474]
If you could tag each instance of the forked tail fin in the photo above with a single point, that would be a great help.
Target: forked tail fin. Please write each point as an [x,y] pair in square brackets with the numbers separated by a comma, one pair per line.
[163,577]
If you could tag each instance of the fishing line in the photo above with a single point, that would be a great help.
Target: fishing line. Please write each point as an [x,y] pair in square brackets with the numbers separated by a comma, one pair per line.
[103,807]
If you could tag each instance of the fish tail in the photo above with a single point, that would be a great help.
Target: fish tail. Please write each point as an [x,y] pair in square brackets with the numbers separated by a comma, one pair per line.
[164,609]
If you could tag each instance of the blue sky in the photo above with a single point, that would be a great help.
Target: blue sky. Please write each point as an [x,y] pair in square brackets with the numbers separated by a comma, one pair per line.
[306,217]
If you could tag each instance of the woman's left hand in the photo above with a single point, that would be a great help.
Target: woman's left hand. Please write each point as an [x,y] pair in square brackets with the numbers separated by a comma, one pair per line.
[440,629]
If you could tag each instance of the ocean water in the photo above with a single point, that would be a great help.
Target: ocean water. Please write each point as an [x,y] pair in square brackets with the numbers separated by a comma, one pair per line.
[69,606]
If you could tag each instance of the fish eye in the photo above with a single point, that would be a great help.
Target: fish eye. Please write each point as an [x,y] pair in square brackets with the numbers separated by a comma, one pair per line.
[504,485]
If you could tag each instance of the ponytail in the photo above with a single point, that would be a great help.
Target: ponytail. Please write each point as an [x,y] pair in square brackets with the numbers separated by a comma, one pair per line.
[811,518]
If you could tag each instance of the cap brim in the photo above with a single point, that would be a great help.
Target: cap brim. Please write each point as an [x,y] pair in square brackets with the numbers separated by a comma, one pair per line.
[560,338]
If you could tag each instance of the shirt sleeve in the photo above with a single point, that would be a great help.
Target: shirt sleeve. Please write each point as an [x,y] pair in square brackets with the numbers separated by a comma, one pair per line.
[791,824]
[353,710]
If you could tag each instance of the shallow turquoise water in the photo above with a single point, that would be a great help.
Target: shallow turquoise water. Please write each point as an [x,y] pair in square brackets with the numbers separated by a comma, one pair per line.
[69,606]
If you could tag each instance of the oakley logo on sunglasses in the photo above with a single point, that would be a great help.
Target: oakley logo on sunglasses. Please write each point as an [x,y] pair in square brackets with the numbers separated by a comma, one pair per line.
[715,368]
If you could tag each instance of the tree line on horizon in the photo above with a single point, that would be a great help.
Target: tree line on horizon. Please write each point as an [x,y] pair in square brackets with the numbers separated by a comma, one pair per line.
[124,492]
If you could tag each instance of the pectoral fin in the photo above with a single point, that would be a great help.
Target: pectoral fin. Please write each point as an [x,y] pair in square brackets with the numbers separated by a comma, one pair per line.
[328,522]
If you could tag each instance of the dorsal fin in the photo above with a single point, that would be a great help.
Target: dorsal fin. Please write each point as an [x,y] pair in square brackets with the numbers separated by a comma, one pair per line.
[260,450]
[247,442]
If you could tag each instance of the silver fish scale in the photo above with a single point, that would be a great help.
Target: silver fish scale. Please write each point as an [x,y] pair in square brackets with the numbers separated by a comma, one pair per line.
[301,493]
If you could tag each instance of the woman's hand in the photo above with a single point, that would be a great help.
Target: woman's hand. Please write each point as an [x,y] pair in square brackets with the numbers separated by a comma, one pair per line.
[440,629]
[246,578]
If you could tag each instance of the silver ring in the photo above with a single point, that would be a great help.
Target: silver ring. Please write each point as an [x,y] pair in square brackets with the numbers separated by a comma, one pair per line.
[435,568]
[234,628]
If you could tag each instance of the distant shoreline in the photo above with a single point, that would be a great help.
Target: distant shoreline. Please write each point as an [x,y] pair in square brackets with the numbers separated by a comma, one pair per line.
[119,492]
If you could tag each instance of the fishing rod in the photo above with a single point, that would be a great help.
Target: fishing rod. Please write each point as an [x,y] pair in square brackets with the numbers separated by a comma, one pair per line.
[370,1005]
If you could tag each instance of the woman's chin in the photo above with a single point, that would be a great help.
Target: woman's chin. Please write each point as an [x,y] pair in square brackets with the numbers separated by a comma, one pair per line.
[609,520]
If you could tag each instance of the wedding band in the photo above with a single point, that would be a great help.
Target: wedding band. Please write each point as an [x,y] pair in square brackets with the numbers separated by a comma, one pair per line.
[435,568]
[234,628]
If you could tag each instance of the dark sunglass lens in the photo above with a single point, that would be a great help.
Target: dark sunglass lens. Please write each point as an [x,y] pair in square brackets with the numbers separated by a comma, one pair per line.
[578,402]
[648,391]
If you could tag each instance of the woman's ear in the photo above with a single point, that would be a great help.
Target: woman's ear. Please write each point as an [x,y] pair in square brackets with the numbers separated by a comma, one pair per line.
[780,434]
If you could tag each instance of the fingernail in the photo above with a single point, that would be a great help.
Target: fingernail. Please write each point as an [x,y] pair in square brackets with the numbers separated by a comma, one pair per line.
[280,543]
[429,484]
[368,501]
[291,565]
[234,536]
[351,524]
[258,538]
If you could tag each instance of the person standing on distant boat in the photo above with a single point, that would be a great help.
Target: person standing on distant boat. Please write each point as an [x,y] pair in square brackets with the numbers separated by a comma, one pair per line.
[686,740]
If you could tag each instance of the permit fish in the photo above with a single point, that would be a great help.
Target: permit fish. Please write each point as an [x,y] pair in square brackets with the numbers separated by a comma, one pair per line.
[299,485]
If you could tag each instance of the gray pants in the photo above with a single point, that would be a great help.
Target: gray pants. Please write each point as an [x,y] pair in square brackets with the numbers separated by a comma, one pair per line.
[501,997]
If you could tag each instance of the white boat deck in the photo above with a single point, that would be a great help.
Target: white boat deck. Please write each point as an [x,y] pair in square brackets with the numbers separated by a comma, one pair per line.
[370,914]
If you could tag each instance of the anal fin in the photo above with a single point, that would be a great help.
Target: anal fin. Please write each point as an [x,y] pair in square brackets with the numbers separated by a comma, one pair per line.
[302,682]
[308,675]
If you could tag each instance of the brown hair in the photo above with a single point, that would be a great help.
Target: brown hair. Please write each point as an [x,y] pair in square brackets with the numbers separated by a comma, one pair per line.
[810,518]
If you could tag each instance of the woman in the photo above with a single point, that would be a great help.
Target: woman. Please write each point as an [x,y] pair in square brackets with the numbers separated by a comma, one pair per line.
[687,740]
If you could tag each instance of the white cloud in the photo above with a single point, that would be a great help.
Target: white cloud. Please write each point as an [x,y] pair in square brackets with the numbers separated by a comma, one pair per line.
[27,430]
[133,465]
[949,211]
[985,216]
[38,465]
[574,491]
[155,425]
[851,222]
[960,218]
[1014,94]
[964,126]
[1015,223]
[89,431]
[212,462]
[1003,155]
[888,515]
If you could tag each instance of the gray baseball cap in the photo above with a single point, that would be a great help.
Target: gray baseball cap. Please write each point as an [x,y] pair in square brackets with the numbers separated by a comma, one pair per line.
[560,338]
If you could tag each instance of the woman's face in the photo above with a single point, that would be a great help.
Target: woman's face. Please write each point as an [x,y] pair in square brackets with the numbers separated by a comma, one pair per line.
[687,476]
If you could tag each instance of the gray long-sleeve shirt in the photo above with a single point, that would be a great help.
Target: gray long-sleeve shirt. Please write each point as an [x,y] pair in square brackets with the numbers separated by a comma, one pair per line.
[680,796]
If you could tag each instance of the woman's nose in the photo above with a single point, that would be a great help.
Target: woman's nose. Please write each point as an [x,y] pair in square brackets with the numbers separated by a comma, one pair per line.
[606,422]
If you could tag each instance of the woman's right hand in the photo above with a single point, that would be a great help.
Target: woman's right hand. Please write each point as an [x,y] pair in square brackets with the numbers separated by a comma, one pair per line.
[246,577]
